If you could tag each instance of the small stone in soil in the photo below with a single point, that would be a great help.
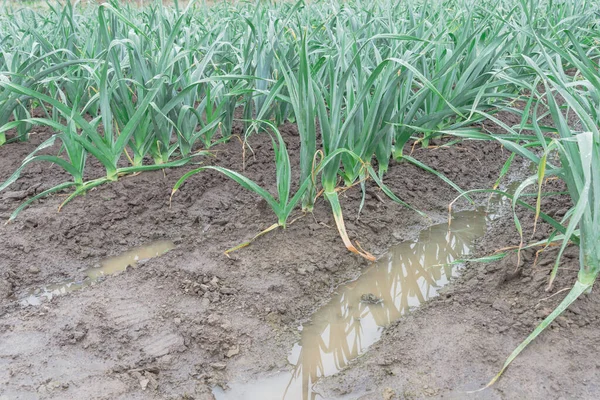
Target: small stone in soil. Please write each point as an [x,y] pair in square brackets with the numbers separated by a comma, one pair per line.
[203,287]
[388,393]
[144,383]
[501,305]
[228,291]
[232,352]
[18,195]
[34,270]
[6,289]
[226,325]
[370,298]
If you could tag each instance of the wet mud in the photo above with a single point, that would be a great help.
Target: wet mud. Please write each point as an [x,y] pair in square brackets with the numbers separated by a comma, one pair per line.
[194,319]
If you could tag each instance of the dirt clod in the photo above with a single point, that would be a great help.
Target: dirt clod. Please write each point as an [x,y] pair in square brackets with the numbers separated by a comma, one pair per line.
[33,270]
[232,352]
[389,394]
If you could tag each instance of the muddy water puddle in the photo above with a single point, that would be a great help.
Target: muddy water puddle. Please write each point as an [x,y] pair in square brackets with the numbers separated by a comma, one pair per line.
[110,266]
[343,329]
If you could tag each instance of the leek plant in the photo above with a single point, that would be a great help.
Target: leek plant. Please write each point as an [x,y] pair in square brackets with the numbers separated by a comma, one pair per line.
[576,146]
[284,203]
[358,121]
[74,163]
[107,147]
[30,69]
[134,74]
[357,110]
[302,99]
[448,80]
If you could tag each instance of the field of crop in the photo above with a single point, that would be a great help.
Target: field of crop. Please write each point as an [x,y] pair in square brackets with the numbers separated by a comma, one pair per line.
[283,147]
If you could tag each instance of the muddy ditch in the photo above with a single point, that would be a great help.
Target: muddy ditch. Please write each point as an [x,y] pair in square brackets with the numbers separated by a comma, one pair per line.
[193,320]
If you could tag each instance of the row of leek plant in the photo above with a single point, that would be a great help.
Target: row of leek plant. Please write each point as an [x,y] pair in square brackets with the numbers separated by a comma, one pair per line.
[158,107]
[570,151]
[252,29]
[372,78]
[30,59]
[367,103]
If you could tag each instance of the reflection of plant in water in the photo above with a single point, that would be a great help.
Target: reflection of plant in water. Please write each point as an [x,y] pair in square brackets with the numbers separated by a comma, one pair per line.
[410,274]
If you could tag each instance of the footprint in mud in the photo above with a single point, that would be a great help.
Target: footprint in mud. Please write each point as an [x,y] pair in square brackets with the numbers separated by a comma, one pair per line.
[163,343]
[126,313]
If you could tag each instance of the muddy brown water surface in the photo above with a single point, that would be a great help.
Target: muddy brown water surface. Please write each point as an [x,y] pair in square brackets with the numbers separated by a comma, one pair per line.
[409,274]
[111,266]
[193,319]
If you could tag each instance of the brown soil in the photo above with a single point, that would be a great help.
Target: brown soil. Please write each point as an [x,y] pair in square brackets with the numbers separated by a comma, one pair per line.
[154,332]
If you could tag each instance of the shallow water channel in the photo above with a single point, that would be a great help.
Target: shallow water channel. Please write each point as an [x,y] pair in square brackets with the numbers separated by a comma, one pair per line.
[109,266]
[409,274]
